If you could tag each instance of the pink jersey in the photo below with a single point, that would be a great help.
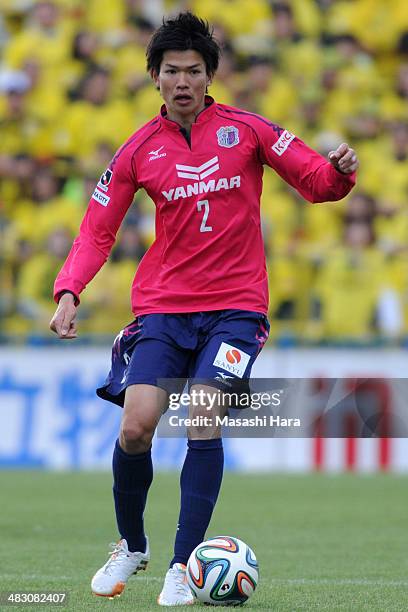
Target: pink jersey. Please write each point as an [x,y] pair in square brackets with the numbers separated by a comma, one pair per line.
[208,253]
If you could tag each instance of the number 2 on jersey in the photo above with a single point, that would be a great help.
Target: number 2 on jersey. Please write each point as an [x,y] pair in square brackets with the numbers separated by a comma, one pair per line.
[203,226]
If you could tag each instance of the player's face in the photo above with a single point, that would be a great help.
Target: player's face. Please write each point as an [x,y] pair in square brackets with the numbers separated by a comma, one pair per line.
[182,81]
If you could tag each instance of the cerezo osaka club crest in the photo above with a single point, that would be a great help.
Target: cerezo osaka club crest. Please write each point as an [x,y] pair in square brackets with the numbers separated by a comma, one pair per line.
[228,136]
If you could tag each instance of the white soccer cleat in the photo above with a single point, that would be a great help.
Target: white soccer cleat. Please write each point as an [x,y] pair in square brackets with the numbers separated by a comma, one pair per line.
[176,591]
[111,579]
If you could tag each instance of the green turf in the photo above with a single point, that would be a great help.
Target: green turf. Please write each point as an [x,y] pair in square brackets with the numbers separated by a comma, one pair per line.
[323,543]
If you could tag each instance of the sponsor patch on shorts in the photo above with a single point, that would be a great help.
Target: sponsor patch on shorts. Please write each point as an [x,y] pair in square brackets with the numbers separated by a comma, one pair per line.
[231,359]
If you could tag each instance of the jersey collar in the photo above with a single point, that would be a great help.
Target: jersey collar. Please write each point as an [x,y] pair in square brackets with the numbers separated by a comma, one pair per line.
[203,116]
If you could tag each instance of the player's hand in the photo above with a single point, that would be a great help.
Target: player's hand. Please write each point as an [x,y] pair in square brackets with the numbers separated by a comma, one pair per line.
[344,159]
[63,322]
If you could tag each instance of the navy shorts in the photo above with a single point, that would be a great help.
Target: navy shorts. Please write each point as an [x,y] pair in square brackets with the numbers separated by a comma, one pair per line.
[217,348]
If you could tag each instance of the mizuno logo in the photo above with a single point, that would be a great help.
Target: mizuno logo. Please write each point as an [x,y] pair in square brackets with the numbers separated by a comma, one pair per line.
[156,152]
[200,172]
[224,376]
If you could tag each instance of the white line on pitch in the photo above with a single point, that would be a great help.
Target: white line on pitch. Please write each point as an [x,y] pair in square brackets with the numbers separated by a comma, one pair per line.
[270,582]
[20,577]
[344,581]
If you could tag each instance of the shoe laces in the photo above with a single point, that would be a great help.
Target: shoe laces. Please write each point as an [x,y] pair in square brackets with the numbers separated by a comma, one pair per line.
[116,553]
[180,580]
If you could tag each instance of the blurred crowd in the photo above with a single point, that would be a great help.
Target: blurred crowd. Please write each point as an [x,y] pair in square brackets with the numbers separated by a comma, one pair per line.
[73,87]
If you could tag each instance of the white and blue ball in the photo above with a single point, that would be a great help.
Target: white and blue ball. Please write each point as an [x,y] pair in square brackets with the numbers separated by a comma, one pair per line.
[222,571]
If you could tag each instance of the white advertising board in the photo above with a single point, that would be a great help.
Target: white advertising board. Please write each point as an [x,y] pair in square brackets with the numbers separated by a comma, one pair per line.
[50,416]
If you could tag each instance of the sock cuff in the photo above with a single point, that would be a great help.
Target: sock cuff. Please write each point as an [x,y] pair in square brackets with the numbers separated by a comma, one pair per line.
[212,444]
[128,456]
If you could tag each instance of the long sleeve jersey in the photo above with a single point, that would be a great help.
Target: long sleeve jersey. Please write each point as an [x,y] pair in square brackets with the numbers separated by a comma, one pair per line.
[208,253]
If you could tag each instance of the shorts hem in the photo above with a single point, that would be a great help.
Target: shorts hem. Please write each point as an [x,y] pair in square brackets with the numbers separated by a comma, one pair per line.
[142,312]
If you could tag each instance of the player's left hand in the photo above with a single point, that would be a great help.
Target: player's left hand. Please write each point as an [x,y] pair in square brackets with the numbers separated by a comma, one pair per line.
[344,159]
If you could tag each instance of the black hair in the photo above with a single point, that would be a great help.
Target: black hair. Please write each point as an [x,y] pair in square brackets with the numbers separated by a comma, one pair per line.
[182,33]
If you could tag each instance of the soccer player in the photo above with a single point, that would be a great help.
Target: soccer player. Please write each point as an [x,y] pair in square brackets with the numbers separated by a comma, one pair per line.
[200,294]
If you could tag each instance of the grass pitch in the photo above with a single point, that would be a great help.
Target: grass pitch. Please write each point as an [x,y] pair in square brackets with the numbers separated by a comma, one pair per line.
[335,543]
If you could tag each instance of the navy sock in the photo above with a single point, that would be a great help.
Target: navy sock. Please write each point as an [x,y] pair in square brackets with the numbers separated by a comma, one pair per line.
[200,482]
[132,477]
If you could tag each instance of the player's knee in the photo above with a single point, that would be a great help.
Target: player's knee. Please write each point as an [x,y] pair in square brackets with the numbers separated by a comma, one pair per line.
[136,437]
[206,413]
[204,424]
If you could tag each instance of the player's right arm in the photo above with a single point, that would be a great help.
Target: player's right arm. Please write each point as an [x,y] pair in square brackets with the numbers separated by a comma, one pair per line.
[106,210]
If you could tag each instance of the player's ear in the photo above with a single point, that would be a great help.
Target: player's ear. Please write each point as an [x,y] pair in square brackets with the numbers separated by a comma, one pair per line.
[155,78]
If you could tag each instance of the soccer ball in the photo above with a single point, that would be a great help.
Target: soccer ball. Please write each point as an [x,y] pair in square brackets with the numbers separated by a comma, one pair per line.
[222,571]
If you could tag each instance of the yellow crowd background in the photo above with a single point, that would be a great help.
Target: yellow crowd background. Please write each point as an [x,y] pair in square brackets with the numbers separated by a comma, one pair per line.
[73,87]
